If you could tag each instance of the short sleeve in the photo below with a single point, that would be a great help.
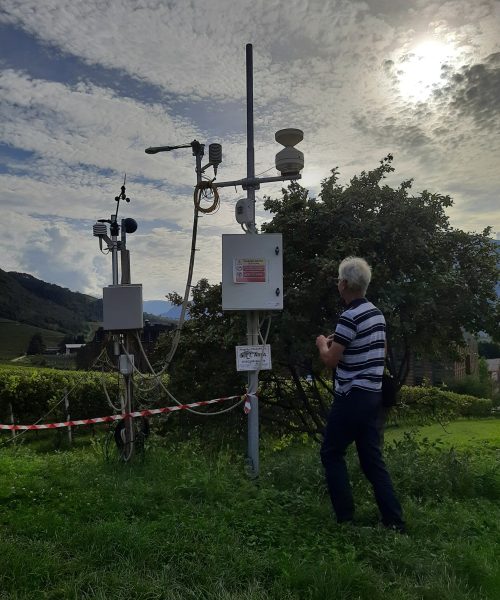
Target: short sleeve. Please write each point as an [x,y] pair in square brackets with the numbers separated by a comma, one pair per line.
[345,331]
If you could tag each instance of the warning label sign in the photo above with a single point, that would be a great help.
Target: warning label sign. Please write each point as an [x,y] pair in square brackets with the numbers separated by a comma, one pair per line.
[250,270]
[253,358]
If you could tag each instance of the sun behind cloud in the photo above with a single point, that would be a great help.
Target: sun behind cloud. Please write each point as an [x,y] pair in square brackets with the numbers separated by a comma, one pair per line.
[420,70]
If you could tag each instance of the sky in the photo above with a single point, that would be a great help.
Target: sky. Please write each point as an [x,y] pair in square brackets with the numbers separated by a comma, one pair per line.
[86,86]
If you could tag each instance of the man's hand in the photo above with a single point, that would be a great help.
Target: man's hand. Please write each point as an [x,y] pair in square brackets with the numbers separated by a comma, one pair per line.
[330,351]
[321,342]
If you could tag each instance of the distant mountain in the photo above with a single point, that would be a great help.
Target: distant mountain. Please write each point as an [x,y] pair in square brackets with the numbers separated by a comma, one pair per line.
[29,300]
[175,313]
[157,307]
[162,308]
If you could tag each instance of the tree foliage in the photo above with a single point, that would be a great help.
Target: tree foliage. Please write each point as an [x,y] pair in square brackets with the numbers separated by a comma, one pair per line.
[36,345]
[432,281]
[205,366]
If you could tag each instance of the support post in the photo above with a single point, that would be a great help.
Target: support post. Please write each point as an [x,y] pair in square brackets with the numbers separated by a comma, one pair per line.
[252,316]
[68,416]
[114,249]
[114,269]
[12,421]
[253,385]
[125,263]
[129,423]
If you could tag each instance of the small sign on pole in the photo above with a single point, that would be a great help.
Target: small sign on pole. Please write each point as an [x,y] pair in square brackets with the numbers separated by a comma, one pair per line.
[253,358]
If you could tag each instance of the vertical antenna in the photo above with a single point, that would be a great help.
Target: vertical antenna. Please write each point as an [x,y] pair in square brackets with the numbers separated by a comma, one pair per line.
[121,196]
[252,316]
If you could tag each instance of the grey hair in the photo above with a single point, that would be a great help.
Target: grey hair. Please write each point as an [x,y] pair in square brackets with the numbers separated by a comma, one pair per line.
[356,272]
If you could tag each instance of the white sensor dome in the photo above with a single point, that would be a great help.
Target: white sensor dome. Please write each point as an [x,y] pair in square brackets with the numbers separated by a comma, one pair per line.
[289,137]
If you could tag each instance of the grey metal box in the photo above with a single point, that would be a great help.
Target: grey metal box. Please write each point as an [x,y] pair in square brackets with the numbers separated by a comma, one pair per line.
[252,271]
[122,307]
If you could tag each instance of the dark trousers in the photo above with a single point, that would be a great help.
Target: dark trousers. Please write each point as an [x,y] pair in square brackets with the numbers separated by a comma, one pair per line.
[355,417]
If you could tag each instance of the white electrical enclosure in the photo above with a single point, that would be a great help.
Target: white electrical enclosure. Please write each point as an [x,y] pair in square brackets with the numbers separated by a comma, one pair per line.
[126,364]
[252,271]
[122,307]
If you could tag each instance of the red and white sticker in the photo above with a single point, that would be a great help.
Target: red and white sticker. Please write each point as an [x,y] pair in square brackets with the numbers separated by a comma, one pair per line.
[250,270]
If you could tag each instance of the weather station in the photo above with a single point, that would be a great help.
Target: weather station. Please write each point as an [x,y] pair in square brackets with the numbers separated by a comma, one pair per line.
[252,263]
[122,314]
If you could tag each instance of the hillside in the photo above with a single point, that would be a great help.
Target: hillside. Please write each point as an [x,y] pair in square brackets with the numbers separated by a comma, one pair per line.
[29,305]
[15,337]
[28,300]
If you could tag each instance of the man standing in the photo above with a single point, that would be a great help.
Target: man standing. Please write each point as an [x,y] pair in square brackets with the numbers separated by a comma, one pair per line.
[357,351]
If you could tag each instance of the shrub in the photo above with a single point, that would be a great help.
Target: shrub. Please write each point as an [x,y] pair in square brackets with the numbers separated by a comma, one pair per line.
[471,385]
[34,392]
[421,405]
[479,385]
[427,469]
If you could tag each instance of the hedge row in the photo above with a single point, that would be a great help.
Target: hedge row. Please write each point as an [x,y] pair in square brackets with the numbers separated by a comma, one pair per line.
[431,404]
[32,392]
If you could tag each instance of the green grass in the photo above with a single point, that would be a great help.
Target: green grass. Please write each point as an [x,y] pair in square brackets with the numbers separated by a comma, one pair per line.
[461,434]
[188,524]
[15,337]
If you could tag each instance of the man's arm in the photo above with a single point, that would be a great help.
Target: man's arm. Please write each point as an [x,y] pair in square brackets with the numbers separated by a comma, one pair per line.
[330,352]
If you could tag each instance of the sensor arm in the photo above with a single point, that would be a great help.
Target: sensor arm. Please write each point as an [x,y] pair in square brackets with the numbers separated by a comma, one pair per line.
[156,149]
[255,181]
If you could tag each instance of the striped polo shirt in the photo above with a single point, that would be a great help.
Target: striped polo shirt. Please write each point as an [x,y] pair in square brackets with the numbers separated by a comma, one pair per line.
[361,329]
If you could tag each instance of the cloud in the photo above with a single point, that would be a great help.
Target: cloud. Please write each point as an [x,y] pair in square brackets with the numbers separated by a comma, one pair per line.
[402,132]
[85,124]
[120,76]
[143,40]
[446,133]
[473,91]
[196,54]
[76,142]
[57,254]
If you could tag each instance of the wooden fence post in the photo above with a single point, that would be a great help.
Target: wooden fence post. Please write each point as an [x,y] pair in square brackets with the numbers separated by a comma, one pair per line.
[12,420]
[68,418]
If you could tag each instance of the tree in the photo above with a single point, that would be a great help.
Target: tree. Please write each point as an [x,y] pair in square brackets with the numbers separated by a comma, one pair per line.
[204,364]
[36,345]
[432,282]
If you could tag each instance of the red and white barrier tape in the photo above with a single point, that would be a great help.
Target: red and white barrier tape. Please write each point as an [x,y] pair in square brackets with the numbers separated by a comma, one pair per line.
[247,406]
[111,418]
